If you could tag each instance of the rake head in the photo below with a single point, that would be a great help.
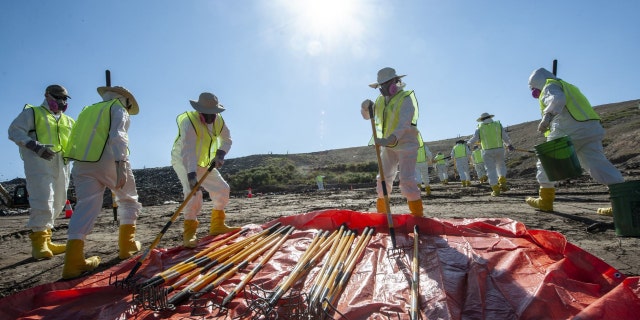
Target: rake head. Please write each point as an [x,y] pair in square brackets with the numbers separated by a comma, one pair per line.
[128,283]
[204,304]
[153,298]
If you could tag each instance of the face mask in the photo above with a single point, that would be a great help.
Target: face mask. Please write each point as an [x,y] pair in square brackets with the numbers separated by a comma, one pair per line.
[389,89]
[535,93]
[207,118]
[57,105]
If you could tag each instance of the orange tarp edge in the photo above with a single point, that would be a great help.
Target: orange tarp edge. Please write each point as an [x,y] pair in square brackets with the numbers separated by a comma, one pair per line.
[469,268]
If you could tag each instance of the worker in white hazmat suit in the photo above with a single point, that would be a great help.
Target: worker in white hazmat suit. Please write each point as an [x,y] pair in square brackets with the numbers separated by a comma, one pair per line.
[478,164]
[203,137]
[396,115]
[567,112]
[440,164]
[41,133]
[422,169]
[461,153]
[493,137]
[99,145]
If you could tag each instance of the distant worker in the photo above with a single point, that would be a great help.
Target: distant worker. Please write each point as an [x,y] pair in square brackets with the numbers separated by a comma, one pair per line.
[422,169]
[99,144]
[203,139]
[460,153]
[493,137]
[320,182]
[567,112]
[396,117]
[440,164]
[41,133]
[478,164]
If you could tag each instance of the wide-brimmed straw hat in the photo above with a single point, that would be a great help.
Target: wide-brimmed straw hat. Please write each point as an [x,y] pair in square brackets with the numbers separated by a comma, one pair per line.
[483,116]
[384,75]
[207,103]
[125,93]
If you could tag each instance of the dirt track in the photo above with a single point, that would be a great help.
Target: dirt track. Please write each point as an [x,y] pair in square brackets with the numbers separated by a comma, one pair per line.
[575,207]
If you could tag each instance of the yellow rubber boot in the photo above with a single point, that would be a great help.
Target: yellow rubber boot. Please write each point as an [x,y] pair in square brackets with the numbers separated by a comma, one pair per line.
[445,181]
[496,190]
[427,190]
[545,200]
[74,262]
[54,247]
[380,205]
[127,241]
[605,211]
[189,239]
[39,249]
[502,181]
[415,207]
[484,179]
[217,225]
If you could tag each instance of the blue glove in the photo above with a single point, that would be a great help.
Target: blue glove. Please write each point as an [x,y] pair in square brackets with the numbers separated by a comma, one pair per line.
[510,148]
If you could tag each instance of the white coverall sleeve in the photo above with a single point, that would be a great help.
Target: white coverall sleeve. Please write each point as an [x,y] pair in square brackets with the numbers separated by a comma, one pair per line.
[225,139]
[20,128]
[118,136]
[427,151]
[505,137]
[475,138]
[188,140]
[554,99]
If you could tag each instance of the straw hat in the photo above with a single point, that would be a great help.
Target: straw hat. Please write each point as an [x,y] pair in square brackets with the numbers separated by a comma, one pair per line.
[483,116]
[384,75]
[123,92]
[207,103]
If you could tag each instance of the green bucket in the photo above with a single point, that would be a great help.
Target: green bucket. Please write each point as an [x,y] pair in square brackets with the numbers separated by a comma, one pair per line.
[625,201]
[559,159]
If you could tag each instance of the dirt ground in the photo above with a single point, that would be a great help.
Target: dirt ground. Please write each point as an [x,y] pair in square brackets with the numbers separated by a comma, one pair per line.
[575,208]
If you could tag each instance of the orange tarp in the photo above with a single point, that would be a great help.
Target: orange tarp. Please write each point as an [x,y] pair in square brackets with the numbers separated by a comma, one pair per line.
[468,268]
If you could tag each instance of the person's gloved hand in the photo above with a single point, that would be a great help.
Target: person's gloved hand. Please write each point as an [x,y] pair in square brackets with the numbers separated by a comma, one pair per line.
[387,142]
[510,148]
[219,158]
[41,150]
[121,174]
[364,108]
[193,179]
[543,126]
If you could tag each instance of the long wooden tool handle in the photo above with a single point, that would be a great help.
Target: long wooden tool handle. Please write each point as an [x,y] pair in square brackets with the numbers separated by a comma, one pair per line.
[383,183]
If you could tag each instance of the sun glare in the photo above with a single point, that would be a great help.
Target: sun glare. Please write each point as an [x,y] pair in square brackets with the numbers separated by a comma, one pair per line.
[324,24]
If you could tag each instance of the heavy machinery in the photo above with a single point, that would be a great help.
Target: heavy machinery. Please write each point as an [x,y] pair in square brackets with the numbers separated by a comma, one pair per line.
[19,198]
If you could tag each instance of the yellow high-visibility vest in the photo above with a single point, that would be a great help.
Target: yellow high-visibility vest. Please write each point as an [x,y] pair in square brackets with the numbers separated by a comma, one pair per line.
[460,150]
[577,104]
[477,156]
[207,143]
[91,132]
[49,130]
[490,135]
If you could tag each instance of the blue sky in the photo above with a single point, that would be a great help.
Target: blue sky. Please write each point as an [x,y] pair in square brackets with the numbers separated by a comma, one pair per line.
[292,74]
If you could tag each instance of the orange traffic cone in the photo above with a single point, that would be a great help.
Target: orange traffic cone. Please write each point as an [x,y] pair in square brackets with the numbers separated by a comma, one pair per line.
[68,211]
[249,195]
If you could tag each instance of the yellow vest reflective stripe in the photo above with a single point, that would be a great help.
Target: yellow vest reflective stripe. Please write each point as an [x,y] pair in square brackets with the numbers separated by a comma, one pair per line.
[459,150]
[439,159]
[477,156]
[206,143]
[91,132]
[490,135]
[49,130]
[577,104]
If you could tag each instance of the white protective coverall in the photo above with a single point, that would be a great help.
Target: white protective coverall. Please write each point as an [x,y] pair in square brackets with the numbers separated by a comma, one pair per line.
[403,155]
[184,160]
[91,179]
[494,160]
[47,180]
[586,135]
[422,168]
[462,164]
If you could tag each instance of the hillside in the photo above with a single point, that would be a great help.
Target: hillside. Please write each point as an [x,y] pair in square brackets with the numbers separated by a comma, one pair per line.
[621,121]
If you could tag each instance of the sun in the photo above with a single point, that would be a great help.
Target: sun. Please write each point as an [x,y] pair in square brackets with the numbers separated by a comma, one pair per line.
[323,25]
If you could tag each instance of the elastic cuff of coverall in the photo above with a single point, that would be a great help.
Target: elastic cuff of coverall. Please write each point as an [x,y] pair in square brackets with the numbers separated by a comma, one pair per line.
[76,237]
